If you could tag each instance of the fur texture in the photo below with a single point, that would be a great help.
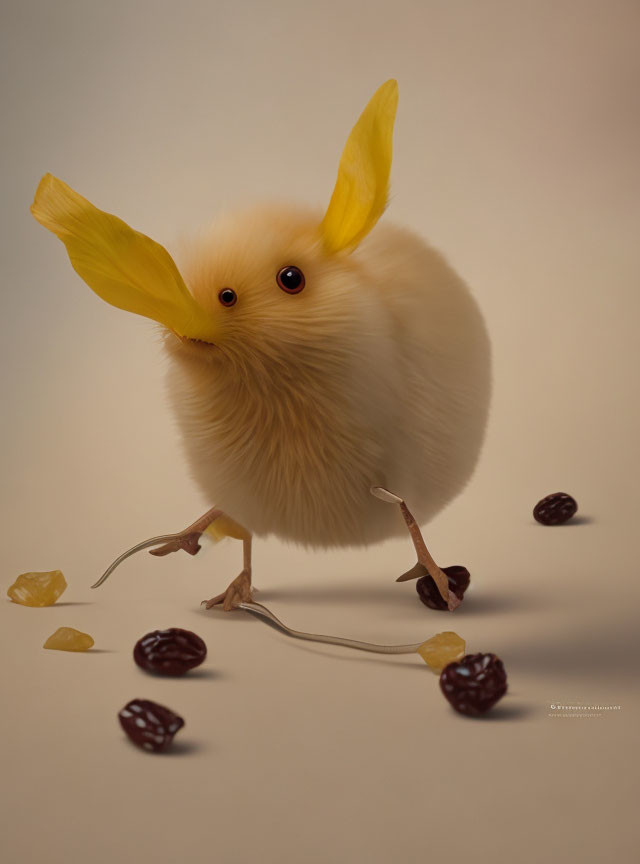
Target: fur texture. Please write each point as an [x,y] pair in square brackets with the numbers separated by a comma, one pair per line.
[377,373]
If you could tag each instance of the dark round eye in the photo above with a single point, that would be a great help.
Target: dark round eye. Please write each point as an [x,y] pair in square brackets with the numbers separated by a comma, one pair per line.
[227,296]
[291,280]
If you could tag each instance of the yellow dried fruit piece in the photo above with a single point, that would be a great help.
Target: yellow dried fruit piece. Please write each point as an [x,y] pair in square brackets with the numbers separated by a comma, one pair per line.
[38,589]
[68,639]
[442,649]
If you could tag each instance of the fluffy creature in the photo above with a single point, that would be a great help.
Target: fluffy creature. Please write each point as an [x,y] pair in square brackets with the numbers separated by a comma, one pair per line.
[313,358]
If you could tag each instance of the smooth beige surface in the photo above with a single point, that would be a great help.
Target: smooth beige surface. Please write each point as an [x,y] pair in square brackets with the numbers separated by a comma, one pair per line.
[516,152]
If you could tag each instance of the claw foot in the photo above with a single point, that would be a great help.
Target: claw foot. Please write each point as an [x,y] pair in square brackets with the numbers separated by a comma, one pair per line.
[238,592]
[187,540]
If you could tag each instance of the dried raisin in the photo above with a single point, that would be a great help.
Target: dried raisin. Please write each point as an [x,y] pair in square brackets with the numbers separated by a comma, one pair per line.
[475,683]
[169,652]
[458,578]
[555,509]
[149,725]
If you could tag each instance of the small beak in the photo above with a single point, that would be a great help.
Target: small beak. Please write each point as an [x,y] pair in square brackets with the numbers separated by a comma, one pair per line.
[124,267]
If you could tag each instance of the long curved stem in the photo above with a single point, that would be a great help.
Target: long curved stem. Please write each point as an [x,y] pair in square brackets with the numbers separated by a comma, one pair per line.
[193,532]
[145,544]
[262,611]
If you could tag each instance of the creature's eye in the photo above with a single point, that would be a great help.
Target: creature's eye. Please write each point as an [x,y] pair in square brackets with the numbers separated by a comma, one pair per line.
[227,296]
[291,280]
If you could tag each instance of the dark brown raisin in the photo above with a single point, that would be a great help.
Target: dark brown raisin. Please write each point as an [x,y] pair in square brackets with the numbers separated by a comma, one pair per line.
[169,652]
[475,683]
[458,578]
[149,725]
[555,509]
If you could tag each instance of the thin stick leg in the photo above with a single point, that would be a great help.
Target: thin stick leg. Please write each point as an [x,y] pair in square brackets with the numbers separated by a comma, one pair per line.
[246,554]
[240,590]
[425,560]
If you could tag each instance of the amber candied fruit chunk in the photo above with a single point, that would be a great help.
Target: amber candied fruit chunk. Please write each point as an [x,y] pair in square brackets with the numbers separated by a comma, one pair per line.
[68,639]
[442,649]
[38,589]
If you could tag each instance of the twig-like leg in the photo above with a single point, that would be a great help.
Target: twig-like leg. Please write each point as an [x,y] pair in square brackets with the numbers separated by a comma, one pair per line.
[425,561]
[240,589]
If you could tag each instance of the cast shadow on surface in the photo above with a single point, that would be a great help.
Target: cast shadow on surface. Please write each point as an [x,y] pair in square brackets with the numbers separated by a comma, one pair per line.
[574,521]
[354,593]
[579,520]
[57,605]
[72,603]
[178,747]
[219,616]
[606,651]
[185,748]
[505,711]
[192,675]
[481,602]
[477,601]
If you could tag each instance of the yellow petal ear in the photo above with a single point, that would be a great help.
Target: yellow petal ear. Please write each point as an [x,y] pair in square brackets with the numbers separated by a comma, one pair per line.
[127,269]
[360,193]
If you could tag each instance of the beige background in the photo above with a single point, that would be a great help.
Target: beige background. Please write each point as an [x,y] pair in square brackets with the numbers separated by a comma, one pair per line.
[517,147]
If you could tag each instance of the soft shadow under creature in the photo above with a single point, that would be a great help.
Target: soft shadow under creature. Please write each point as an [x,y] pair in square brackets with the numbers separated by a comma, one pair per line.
[602,651]
[478,601]
[345,593]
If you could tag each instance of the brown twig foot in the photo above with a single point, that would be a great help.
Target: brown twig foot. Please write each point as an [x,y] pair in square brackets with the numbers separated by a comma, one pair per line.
[186,540]
[238,592]
[424,556]
[416,572]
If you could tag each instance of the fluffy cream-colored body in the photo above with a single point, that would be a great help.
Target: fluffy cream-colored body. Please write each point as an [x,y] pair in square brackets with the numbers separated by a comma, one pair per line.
[377,373]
